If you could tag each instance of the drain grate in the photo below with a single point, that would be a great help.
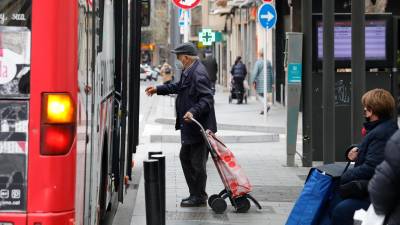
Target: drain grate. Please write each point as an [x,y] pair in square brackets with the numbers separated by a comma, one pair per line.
[276,193]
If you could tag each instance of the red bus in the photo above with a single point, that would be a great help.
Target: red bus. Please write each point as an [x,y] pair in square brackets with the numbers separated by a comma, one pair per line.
[63,109]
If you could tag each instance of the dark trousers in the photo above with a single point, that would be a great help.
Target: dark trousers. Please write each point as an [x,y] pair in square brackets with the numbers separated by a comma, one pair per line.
[194,159]
[239,83]
[239,88]
[343,210]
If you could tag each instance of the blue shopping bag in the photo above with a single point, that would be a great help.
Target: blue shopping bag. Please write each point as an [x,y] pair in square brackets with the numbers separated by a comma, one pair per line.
[312,199]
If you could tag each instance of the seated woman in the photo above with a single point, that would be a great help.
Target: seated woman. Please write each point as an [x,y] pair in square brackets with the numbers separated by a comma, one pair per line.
[378,112]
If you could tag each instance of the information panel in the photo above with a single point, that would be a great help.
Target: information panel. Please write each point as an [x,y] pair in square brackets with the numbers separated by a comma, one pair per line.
[375,40]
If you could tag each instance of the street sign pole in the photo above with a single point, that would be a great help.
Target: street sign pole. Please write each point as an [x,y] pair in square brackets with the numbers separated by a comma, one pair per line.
[267,17]
[265,75]
[185,6]
[187,25]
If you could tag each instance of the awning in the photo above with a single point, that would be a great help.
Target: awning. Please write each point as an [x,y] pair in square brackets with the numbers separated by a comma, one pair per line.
[221,11]
[246,3]
[236,2]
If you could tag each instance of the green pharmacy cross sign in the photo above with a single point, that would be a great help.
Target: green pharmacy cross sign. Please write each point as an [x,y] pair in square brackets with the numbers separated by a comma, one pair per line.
[206,36]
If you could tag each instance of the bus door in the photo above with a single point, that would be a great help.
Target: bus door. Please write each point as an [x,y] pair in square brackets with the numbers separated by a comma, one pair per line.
[15,49]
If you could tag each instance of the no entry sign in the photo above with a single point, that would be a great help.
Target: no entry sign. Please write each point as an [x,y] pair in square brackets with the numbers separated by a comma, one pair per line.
[186,4]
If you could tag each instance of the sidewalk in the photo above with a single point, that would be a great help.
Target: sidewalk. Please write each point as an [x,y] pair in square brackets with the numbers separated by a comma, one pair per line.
[275,186]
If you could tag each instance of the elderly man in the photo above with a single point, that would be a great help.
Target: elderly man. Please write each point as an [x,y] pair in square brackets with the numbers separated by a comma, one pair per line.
[194,100]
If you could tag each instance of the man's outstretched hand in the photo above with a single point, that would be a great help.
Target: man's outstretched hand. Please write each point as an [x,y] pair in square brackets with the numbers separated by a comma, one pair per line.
[187,117]
[150,91]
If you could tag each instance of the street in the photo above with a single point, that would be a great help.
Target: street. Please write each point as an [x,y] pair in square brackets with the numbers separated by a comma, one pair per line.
[261,154]
[303,97]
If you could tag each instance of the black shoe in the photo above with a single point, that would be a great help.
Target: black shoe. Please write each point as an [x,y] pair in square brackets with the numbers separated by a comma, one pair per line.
[204,197]
[194,202]
[187,198]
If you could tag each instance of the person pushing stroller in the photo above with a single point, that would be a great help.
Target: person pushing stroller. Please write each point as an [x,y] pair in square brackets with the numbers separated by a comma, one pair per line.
[239,73]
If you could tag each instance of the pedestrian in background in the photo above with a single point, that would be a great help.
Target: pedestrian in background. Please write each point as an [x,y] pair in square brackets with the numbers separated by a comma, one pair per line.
[212,68]
[194,100]
[239,72]
[380,126]
[257,79]
[385,184]
[166,73]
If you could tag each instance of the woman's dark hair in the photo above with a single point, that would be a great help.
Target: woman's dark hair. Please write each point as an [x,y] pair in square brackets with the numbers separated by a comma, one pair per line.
[238,59]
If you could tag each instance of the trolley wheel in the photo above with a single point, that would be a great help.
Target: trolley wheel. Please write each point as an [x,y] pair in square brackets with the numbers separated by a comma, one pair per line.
[242,204]
[219,205]
[212,198]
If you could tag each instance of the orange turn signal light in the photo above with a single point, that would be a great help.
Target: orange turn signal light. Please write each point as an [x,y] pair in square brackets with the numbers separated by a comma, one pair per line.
[58,108]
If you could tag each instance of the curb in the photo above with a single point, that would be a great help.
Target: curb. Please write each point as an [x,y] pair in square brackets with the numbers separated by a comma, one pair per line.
[226,139]
[222,126]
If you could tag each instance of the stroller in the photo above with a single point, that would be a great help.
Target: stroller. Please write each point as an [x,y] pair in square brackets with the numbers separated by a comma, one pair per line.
[238,90]
[237,185]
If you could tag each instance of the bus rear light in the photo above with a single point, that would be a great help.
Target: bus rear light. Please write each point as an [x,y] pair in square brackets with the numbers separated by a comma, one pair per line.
[58,108]
[56,139]
[57,124]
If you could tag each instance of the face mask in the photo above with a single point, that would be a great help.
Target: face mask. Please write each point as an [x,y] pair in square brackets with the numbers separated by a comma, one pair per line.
[179,65]
[367,119]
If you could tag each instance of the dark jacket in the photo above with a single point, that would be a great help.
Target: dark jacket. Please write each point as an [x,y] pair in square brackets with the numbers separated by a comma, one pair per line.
[385,184]
[194,95]
[212,68]
[239,70]
[371,150]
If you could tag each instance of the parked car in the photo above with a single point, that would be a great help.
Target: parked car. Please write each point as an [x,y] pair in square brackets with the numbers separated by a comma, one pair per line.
[145,72]
[155,73]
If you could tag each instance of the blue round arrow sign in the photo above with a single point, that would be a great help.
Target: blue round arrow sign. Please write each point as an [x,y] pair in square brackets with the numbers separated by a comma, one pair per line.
[267,16]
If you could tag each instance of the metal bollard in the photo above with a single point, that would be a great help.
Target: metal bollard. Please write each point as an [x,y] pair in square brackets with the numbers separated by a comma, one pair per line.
[282,93]
[152,192]
[161,173]
[154,153]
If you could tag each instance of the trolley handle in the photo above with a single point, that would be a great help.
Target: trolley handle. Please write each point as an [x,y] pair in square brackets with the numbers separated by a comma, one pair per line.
[198,124]
[203,131]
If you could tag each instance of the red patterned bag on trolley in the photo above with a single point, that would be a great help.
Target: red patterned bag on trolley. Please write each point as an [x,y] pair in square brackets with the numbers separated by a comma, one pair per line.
[231,173]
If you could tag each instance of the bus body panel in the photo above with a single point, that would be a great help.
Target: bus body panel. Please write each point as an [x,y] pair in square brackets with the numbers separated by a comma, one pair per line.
[51,179]
[84,108]
[64,218]
[15,218]
[68,55]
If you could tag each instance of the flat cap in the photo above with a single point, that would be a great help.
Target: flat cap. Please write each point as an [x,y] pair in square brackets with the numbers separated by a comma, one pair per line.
[185,49]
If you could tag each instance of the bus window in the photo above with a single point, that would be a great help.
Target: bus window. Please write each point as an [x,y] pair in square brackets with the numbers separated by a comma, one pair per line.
[15,47]
[15,60]
[145,13]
